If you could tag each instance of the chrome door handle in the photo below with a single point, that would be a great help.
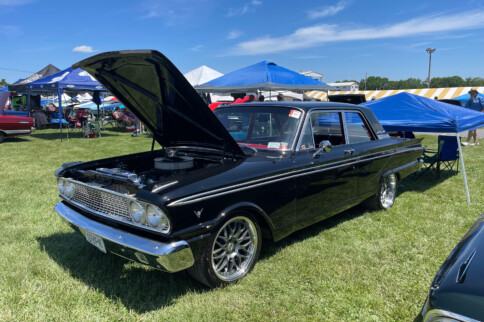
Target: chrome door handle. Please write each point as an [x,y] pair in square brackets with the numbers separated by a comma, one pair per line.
[349,151]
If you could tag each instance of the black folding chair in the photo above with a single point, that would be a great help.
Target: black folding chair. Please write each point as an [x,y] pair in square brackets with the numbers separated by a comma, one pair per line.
[445,158]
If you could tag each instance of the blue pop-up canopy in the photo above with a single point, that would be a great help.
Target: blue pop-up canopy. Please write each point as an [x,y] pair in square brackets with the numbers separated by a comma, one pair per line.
[412,113]
[464,98]
[67,79]
[263,76]
[408,112]
[3,89]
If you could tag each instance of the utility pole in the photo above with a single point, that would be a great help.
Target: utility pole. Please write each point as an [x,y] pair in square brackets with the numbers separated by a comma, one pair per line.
[430,51]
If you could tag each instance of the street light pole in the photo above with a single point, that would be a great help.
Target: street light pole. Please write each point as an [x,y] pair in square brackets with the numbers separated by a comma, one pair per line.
[430,51]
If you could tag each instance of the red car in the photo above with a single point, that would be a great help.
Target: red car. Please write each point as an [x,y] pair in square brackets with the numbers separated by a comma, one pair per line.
[11,125]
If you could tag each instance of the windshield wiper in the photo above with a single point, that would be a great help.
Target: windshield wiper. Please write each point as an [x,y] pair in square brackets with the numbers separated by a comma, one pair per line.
[245,146]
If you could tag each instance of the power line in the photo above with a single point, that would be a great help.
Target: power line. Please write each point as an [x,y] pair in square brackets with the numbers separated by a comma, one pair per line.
[16,70]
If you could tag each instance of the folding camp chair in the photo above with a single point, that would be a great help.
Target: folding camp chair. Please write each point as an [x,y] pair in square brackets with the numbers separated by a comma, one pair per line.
[445,158]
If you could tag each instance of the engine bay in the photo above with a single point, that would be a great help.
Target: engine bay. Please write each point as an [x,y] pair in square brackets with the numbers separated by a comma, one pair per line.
[128,174]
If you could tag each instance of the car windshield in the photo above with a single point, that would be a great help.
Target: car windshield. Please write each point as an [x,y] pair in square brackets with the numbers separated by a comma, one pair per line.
[266,127]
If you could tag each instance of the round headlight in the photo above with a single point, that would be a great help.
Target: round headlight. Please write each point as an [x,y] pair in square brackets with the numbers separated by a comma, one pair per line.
[136,211]
[60,185]
[157,219]
[68,189]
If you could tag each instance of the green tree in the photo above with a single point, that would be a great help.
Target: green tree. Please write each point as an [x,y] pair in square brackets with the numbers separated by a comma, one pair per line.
[3,82]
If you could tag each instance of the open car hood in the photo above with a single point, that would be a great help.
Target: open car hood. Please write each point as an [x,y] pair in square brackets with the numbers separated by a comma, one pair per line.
[154,90]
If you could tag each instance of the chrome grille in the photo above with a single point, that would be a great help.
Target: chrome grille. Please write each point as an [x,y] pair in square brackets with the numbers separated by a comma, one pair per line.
[101,201]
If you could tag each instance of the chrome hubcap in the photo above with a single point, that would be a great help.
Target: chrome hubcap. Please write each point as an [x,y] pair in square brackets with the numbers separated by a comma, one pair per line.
[388,190]
[234,248]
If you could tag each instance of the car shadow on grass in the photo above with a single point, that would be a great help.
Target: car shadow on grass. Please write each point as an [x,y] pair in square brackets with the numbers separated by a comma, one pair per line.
[138,287]
[270,247]
[422,183]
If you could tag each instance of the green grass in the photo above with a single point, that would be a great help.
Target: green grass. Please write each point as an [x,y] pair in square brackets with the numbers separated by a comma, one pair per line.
[358,265]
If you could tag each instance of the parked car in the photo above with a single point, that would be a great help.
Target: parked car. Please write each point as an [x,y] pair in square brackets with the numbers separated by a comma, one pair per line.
[11,125]
[224,180]
[347,98]
[457,291]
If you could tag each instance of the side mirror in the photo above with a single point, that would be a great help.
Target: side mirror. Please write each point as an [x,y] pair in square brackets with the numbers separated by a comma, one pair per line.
[324,146]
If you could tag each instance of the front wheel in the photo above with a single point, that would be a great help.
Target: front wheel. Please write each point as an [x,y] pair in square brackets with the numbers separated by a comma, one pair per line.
[230,253]
[2,137]
[385,197]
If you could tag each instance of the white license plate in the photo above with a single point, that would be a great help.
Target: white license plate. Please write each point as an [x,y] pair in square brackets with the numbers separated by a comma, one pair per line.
[96,241]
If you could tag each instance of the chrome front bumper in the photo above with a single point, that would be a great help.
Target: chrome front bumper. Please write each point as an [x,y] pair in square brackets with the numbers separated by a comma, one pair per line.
[171,257]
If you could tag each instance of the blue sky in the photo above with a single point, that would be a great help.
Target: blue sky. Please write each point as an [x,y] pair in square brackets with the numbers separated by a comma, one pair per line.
[341,39]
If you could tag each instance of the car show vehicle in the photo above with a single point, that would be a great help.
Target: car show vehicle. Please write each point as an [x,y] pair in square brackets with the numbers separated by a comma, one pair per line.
[11,125]
[223,180]
[457,293]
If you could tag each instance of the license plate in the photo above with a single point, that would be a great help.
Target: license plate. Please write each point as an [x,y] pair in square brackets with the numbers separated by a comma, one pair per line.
[96,241]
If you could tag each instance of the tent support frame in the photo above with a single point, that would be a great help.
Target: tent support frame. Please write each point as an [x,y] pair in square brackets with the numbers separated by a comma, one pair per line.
[461,157]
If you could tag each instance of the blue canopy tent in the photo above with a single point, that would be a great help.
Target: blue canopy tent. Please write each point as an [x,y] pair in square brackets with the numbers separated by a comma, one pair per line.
[72,80]
[464,98]
[263,76]
[408,112]
[3,89]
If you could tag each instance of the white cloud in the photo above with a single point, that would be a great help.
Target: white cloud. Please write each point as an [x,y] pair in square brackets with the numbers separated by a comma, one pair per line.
[326,11]
[234,34]
[84,49]
[197,48]
[319,34]
[248,7]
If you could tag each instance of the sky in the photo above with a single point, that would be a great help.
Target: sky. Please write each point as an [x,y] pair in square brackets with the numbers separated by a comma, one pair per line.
[343,40]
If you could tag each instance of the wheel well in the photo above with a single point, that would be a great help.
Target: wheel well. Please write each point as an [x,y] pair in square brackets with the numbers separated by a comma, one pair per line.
[260,216]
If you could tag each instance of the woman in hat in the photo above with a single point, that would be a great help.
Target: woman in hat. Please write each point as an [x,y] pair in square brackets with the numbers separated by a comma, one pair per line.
[475,103]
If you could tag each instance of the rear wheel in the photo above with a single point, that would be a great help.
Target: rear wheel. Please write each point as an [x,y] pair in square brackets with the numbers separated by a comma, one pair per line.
[230,253]
[2,137]
[385,197]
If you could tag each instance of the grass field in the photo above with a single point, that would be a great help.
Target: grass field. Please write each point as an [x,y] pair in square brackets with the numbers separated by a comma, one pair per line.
[359,265]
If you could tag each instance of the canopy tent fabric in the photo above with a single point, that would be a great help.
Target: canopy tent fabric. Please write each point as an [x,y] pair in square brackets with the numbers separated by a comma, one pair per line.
[21,85]
[201,75]
[408,112]
[263,76]
[441,93]
[73,80]
[4,89]
[464,98]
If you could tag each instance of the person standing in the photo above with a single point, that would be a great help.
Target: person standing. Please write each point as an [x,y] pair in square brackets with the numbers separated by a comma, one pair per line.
[475,103]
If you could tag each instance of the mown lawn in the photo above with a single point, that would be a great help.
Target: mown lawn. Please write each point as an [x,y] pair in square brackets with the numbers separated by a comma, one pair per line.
[359,265]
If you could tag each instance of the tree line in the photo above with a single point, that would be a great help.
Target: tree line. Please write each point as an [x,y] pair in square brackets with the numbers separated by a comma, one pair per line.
[378,83]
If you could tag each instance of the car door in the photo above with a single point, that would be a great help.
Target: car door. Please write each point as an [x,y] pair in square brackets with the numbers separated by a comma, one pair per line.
[327,179]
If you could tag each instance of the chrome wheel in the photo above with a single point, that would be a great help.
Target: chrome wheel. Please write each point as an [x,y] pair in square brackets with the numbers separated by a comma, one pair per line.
[234,249]
[388,191]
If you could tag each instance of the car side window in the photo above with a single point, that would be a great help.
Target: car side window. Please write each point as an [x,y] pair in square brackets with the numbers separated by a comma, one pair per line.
[325,126]
[356,128]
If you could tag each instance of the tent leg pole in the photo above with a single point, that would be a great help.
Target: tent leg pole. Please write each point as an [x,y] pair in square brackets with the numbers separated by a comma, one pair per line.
[461,157]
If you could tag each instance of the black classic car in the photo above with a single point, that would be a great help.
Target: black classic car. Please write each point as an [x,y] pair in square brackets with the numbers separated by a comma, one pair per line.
[457,291]
[223,180]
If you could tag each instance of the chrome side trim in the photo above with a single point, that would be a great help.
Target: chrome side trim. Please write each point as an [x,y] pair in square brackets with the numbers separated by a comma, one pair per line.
[17,131]
[172,257]
[281,177]
[437,315]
